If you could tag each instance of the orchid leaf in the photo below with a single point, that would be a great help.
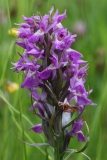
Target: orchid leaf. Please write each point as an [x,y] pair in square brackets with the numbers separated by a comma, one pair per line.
[35,144]
[72,151]
[30,144]
[86,155]
[83,148]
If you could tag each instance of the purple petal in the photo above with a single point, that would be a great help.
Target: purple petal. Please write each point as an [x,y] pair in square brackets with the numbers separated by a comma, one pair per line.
[58,44]
[44,23]
[53,74]
[82,100]
[73,81]
[37,128]
[21,44]
[45,74]
[80,89]
[18,65]
[81,62]
[50,12]
[29,82]
[81,137]
[82,71]
[40,108]
[36,95]
[69,39]
[81,109]
[24,25]
[61,33]
[70,96]
[73,55]
[37,36]
[43,95]
[54,59]
[24,33]
[60,17]
[77,126]
[30,21]
[35,52]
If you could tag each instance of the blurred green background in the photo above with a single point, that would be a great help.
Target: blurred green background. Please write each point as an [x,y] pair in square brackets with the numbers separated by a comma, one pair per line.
[87,18]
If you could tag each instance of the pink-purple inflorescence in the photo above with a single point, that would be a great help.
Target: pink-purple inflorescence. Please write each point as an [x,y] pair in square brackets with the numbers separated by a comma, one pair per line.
[54,75]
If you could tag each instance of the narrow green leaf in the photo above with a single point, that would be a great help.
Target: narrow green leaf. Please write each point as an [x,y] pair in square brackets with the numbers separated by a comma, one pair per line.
[86,155]
[12,109]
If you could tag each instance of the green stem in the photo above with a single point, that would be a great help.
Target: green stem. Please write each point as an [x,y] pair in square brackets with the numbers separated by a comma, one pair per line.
[57,154]
[59,138]
[58,149]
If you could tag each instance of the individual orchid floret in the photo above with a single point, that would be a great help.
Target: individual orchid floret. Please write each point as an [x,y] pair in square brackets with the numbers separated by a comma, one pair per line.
[37,128]
[76,130]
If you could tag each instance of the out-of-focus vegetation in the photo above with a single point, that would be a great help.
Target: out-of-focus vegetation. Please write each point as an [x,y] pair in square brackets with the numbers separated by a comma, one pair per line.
[87,18]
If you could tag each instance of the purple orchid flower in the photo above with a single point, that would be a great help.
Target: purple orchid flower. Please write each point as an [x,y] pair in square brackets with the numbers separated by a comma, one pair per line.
[55,77]
[37,128]
[76,130]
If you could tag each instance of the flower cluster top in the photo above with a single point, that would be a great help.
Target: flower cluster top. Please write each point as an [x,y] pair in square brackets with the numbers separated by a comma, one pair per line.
[54,72]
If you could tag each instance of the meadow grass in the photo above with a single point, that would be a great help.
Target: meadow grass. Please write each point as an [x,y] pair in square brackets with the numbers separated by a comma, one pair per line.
[14,113]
